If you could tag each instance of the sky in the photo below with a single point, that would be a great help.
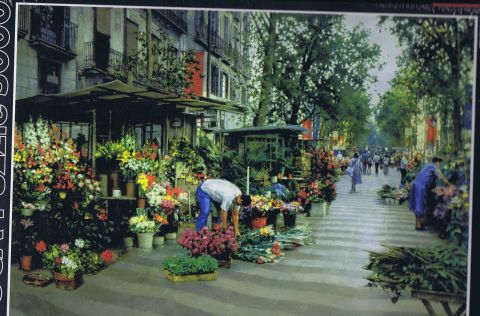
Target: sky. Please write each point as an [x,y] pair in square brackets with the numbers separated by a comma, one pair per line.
[388,46]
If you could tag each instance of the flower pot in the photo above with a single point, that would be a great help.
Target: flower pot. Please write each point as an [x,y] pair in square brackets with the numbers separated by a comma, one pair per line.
[128,242]
[141,202]
[171,236]
[64,283]
[272,218]
[115,179]
[131,188]
[318,209]
[289,219]
[26,263]
[145,240]
[224,260]
[26,211]
[158,241]
[259,222]
[103,184]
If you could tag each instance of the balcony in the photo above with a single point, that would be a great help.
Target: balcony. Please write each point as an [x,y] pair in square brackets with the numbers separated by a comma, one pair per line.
[176,17]
[55,40]
[201,33]
[23,20]
[218,44]
[111,61]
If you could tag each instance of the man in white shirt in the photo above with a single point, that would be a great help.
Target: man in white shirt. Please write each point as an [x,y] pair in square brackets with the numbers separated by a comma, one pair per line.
[376,160]
[403,169]
[226,196]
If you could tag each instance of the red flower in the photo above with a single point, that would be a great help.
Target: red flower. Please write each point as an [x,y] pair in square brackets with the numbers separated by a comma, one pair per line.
[216,227]
[41,187]
[58,261]
[106,256]
[41,246]
[75,205]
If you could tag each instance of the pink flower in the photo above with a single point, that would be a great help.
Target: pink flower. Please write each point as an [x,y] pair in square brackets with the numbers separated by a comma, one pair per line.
[64,248]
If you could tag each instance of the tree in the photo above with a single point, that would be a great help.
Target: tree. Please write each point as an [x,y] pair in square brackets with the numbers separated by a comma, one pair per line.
[443,49]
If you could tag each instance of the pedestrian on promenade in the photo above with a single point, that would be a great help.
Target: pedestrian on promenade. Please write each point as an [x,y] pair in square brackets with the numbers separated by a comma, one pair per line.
[403,169]
[424,181]
[364,162]
[370,163]
[225,196]
[386,163]
[376,160]
[356,166]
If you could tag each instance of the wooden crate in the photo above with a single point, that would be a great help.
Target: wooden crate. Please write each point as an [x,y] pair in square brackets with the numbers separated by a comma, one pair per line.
[192,277]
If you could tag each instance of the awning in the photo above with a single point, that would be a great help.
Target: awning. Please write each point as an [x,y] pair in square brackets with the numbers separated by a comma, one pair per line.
[264,129]
[117,91]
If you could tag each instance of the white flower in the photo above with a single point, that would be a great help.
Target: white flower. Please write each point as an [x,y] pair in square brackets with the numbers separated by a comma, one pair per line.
[80,176]
[81,184]
[69,263]
[90,187]
[80,243]
[88,181]
[90,196]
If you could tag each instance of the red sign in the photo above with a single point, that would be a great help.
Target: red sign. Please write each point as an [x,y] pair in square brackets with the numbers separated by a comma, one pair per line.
[308,124]
[431,130]
[197,81]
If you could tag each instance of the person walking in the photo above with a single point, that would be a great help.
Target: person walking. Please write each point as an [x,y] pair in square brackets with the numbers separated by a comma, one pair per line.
[376,160]
[356,166]
[225,196]
[386,163]
[424,181]
[364,162]
[370,163]
[403,169]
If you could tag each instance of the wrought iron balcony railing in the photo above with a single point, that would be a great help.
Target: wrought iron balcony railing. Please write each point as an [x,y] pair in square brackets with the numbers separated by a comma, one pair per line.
[201,32]
[176,17]
[111,61]
[43,29]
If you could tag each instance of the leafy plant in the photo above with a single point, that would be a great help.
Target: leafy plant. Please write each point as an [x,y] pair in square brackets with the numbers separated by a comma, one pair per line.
[442,269]
[185,265]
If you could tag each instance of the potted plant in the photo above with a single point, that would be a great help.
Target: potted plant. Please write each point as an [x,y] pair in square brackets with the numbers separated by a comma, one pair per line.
[26,240]
[145,183]
[218,243]
[145,229]
[160,220]
[65,264]
[260,206]
[179,269]
[290,211]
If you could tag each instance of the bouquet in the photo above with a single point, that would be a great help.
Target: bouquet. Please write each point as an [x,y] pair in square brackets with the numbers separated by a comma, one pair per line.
[142,224]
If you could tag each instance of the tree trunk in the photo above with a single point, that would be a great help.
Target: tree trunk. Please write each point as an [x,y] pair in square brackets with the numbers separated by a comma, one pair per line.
[266,87]
[457,105]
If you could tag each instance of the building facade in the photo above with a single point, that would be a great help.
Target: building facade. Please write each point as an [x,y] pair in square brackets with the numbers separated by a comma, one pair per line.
[66,49]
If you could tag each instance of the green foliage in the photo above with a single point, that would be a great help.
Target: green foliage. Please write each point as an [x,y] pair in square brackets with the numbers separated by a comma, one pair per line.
[211,155]
[185,265]
[442,269]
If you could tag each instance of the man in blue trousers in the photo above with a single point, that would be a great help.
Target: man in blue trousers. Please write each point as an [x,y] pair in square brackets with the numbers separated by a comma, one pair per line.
[226,196]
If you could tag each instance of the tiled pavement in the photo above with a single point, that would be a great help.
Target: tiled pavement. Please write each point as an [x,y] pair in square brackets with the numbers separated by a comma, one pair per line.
[321,279]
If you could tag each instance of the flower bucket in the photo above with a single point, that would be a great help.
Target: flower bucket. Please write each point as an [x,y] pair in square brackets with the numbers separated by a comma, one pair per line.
[329,206]
[158,241]
[114,178]
[259,222]
[26,211]
[128,242]
[104,184]
[171,236]
[289,219]
[272,218]
[318,209]
[141,202]
[26,263]
[224,261]
[131,188]
[64,283]
[145,240]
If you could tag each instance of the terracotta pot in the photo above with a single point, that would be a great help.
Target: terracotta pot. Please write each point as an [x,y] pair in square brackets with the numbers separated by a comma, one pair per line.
[259,222]
[115,178]
[131,188]
[26,263]
[141,202]
[64,283]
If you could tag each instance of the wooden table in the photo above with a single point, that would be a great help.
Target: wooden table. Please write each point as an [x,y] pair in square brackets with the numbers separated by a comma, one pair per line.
[444,298]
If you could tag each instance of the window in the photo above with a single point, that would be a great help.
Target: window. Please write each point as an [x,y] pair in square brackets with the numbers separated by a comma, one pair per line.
[148,132]
[225,29]
[79,132]
[224,85]
[215,80]
[235,39]
[213,15]
[132,38]
[49,74]
[199,18]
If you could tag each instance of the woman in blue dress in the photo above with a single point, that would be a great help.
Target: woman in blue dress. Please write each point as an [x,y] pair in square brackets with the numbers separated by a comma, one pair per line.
[356,165]
[420,186]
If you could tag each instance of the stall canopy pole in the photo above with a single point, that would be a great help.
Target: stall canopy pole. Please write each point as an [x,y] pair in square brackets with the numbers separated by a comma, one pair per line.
[94,139]
[248,180]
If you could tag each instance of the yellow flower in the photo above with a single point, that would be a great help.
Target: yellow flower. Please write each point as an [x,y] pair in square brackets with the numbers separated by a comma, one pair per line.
[125,156]
[264,230]
[17,157]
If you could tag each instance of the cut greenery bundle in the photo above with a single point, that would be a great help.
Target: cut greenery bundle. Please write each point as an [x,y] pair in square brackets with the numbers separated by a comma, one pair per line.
[440,269]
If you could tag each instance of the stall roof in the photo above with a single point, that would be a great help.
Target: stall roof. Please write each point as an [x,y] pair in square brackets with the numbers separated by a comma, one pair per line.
[264,129]
[126,93]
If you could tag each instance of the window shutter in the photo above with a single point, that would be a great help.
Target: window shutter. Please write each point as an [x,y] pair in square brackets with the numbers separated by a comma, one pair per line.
[103,20]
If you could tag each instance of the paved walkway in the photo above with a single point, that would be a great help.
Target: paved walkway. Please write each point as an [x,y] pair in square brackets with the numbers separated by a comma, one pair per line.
[321,279]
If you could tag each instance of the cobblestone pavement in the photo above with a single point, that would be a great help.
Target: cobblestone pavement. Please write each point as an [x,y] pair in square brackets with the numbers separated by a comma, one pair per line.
[325,278]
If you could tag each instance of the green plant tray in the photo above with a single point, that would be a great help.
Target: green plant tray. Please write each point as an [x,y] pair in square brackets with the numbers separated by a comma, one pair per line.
[191,277]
